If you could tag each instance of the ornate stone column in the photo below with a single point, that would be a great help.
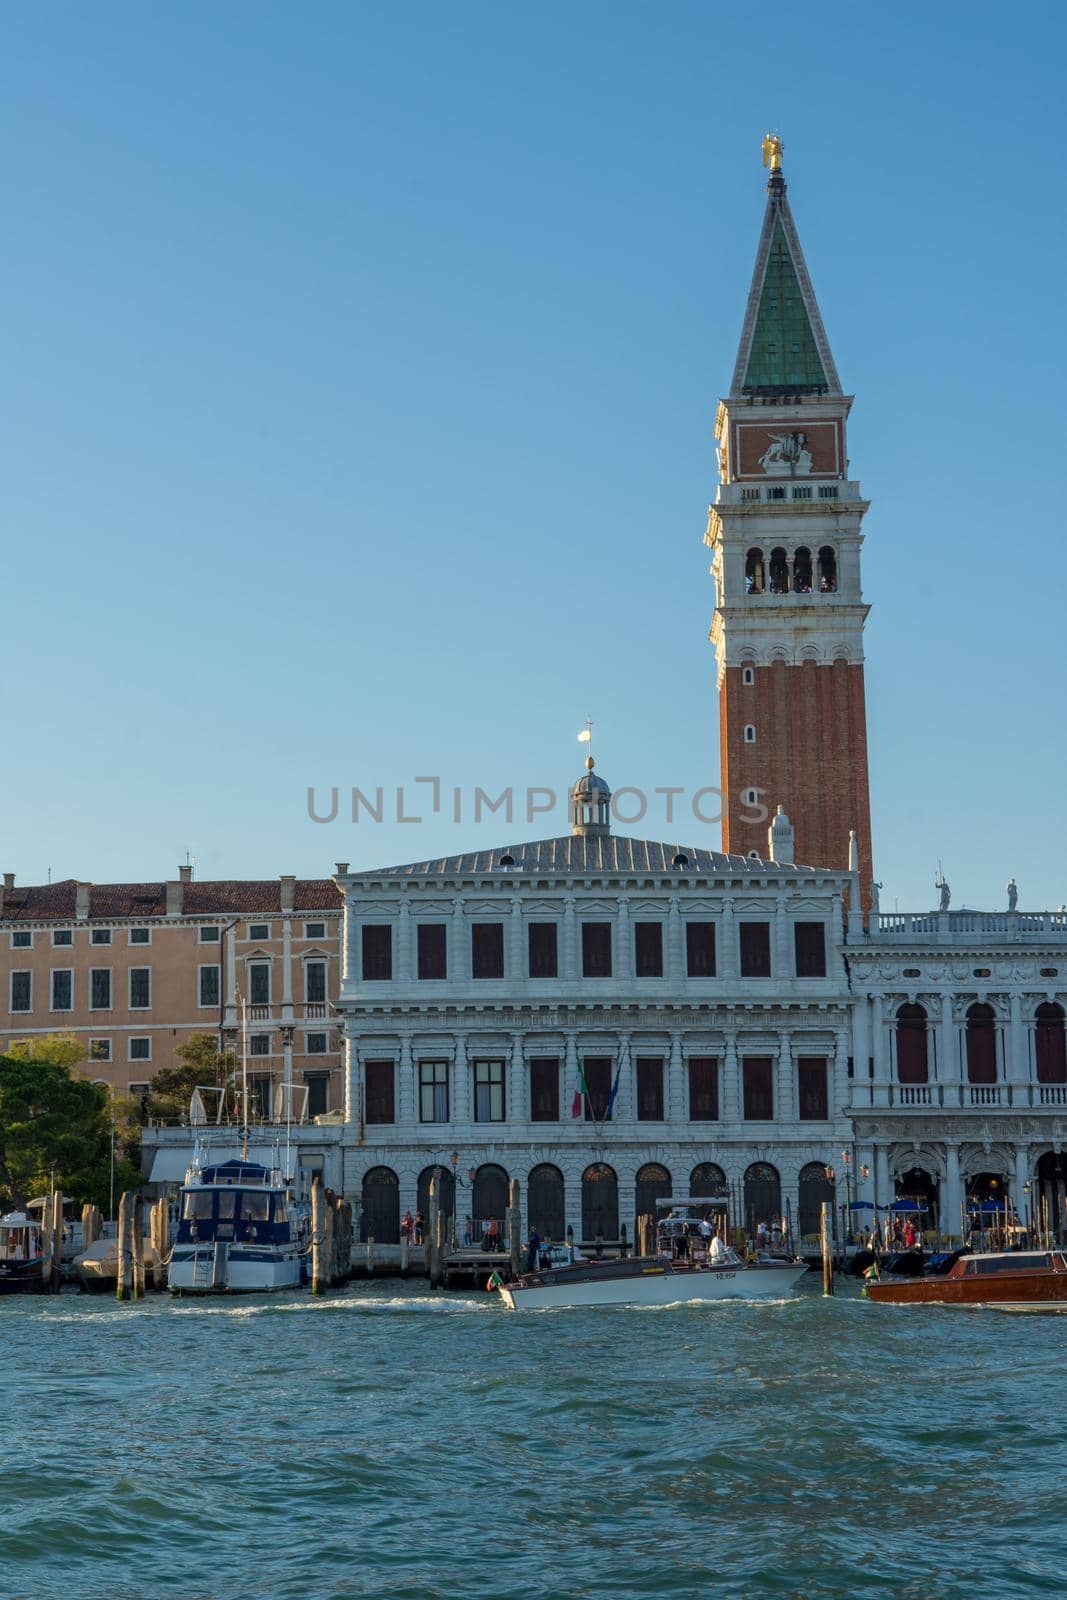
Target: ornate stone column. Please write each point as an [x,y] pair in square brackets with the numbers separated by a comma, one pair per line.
[727,957]
[950,1061]
[730,1110]
[458,964]
[1017,1066]
[570,940]
[675,964]
[516,967]
[1020,1178]
[861,1052]
[783,965]
[785,1110]
[461,1081]
[952,1196]
[626,1102]
[881,1180]
[405,964]
[880,1050]
[570,1073]
[517,1110]
[839,1099]
[623,966]
[677,1110]
[353,1088]
[407,1082]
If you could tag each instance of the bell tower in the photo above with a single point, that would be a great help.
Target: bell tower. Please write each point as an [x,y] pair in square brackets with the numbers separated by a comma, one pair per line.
[785,535]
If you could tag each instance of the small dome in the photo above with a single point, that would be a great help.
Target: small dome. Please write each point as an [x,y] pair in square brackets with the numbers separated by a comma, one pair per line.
[590,804]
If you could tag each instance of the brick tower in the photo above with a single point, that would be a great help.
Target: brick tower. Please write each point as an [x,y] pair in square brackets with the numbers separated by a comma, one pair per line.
[785,532]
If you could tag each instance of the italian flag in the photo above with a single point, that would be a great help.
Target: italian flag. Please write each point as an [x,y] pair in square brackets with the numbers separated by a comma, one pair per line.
[579,1091]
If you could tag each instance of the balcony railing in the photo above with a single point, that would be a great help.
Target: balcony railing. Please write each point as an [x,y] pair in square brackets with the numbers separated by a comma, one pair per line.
[951,927]
[957,1096]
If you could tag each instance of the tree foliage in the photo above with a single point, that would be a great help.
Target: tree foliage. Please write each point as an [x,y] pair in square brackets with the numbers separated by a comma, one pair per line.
[54,1125]
[200,1064]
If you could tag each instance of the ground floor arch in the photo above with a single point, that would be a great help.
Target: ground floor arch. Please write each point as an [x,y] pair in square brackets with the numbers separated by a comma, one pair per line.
[546,1201]
[762,1194]
[380,1206]
[653,1183]
[814,1189]
[600,1202]
[920,1187]
[489,1196]
[446,1191]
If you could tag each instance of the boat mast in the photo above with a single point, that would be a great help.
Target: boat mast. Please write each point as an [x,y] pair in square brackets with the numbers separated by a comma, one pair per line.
[244,1075]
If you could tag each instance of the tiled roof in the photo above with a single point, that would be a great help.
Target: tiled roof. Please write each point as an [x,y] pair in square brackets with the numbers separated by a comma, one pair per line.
[577,854]
[56,902]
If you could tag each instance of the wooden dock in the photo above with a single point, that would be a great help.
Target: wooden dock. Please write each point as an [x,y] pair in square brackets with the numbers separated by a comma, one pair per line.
[472,1268]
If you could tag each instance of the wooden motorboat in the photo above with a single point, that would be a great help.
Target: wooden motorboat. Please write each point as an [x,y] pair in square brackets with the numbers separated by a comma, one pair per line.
[1008,1278]
[651,1281]
[21,1254]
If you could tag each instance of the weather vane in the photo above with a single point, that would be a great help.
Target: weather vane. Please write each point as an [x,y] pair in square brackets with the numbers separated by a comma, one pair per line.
[772,151]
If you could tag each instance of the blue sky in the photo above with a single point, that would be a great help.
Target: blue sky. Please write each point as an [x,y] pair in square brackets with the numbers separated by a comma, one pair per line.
[360,367]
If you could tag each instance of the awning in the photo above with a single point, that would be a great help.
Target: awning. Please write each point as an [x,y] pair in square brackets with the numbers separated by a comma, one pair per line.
[169,1166]
[171,1163]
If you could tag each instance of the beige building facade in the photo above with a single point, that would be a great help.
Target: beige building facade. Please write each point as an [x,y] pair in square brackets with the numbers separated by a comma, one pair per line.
[134,969]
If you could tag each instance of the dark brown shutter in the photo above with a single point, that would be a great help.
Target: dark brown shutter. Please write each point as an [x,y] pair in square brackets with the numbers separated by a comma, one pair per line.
[487,949]
[377,951]
[649,1088]
[381,1091]
[757,1076]
[812,1092]
[544,954]
[703,1089]
[544,1089]
[755,940]
[648,949]
[700,949]
[597,1071]
[596,949]
[809,939]
[432,946]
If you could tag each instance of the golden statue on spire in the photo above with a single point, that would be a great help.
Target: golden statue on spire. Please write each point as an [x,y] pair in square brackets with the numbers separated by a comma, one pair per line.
[772,152]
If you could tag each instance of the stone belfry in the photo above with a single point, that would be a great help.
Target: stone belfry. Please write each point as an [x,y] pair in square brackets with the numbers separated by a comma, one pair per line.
[785,532]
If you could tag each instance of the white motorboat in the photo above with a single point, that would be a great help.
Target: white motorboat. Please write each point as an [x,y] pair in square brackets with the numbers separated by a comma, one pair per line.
[651,1281]
[235,1235]
[21,1254]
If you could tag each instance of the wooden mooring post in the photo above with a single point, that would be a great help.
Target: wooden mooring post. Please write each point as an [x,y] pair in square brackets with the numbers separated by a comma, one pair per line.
[318,1235]
[138,1248]
[643,1227]
[125,1288]
[405,1245]
[432,1235]
[826,1248]
[159,1233]
[57,1238]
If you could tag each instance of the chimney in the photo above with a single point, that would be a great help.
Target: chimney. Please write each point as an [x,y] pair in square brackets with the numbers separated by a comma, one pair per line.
[174,897]
[185,874]
[288,891]
[341,869]
[81,902]
[782,838]
[9,884]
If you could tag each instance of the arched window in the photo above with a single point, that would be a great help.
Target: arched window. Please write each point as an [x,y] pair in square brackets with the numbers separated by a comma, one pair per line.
[779,573]
[653,1183]
[446,1189]
[707,1181]
[600,1202]
[545,1201]
[754,572]
[1050,1047]
[489,1196]
[763,1194]
[920,1188]
[802,571]
[380,1211]
[827,570]
[912,1063]
[981,1044]
[814,1188]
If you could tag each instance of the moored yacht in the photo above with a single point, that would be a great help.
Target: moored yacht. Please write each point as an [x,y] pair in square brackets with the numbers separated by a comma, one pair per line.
[21,1254]
[235,1234]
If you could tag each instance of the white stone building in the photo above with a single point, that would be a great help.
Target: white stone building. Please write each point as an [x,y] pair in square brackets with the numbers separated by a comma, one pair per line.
[698,1003]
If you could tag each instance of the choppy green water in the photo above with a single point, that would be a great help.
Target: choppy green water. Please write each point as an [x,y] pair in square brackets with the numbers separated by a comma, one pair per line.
[392,1443]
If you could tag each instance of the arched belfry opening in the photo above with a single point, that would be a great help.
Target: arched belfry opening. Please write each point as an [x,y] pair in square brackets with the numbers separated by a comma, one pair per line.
[590,804]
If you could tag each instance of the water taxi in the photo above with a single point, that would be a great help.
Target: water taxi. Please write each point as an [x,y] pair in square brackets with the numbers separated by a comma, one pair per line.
[21,1254]
[1009,1279]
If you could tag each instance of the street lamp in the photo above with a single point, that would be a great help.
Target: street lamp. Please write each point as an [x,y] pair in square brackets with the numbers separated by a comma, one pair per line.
[846,1157]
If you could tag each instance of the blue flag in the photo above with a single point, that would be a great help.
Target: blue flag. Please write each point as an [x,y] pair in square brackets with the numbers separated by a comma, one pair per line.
[614,1091]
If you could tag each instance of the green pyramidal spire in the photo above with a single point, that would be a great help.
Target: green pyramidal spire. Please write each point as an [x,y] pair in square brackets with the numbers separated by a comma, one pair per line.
[784,349]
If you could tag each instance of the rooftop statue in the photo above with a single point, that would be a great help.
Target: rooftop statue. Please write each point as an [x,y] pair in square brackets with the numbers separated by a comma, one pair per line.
[772,152]
[1013,894]
[941,884]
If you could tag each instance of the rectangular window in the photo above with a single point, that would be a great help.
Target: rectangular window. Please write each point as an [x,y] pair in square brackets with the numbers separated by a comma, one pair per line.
[140,1049]
[318,1088]
[210,992]
[259,1044]
[597,1070]
[381,1092]
[755,938]
[315,983]
[209,935]
[137,1091]
[99,1049]
[700,949]
[596,949]
[258,931]
[314,930]
[100,989]
[649,1089]
[315,1044]
[757,1083]
[433,1091]
[544,1089]
[100,936]
[140,988]
[809,939]
[140,936]
[813,1098]
[62,937]
[21,991]
[259,983]
[432,940]
[703,1088]
[543,938]
[377,952]
[648,949]
[488,1091]
[62,990]
[487,949]
[21,939]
